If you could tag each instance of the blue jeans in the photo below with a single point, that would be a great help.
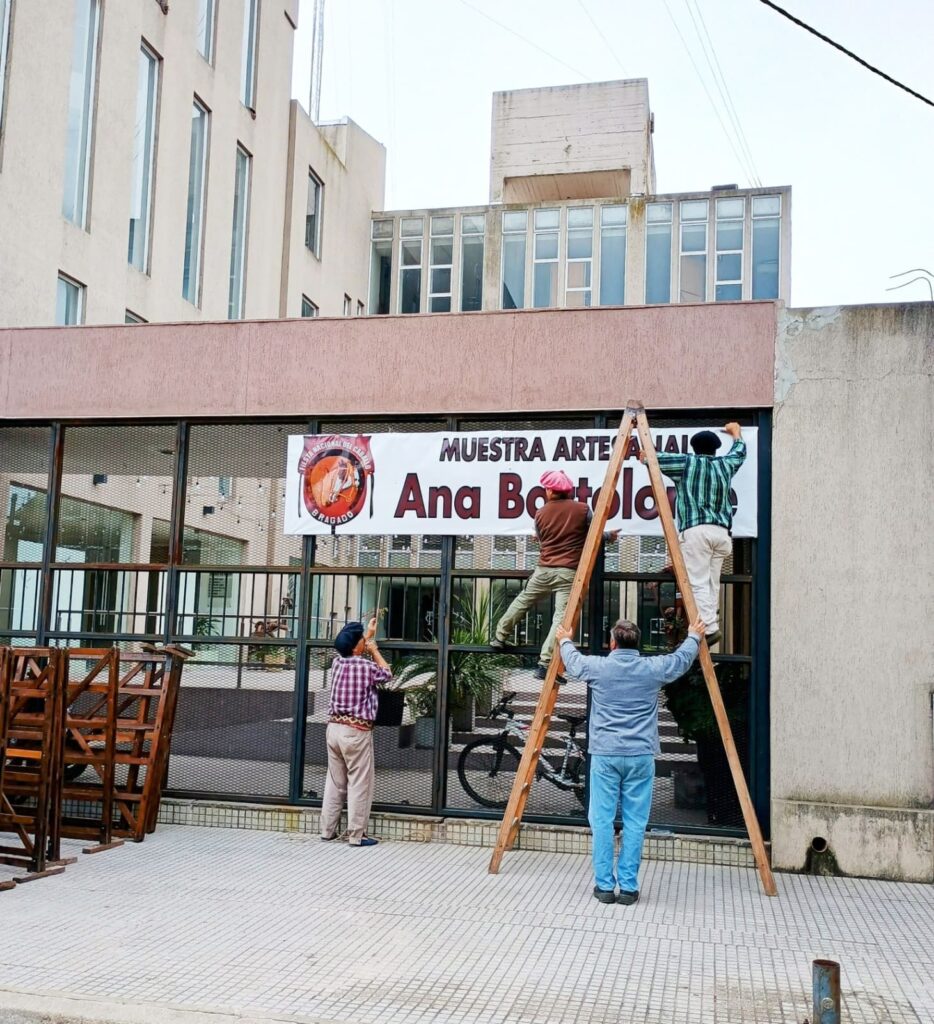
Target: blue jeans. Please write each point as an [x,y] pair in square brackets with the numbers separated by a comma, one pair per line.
[611,777]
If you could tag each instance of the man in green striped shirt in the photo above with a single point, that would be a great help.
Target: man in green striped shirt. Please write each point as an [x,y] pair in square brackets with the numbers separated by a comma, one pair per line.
[704,515]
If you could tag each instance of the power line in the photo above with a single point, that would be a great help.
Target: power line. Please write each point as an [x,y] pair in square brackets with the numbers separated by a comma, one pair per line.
[721,83]
[729,137]
[849,53]
[525,39]
[606,41]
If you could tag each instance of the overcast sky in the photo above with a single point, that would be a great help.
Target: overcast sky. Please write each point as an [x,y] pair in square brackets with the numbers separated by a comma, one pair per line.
[858,152]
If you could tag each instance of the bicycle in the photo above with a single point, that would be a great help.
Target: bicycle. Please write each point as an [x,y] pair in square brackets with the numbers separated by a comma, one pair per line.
[487,766]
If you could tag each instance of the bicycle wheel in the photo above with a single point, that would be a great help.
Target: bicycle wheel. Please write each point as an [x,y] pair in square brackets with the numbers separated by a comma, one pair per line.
[577,771]
[487,769]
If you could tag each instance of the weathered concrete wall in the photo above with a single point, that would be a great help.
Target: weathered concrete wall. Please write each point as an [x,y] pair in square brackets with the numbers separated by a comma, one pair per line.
[853,588]
[671,357]
[600,126]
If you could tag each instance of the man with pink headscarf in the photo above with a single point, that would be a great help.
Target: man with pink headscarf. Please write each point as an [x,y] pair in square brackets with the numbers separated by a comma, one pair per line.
[561,526]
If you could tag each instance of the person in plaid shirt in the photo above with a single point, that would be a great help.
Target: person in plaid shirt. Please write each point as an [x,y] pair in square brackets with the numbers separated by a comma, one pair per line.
[704,514]
[351,714]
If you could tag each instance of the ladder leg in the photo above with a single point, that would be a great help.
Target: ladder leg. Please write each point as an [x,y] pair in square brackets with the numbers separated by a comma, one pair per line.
[706,662]
[518,798]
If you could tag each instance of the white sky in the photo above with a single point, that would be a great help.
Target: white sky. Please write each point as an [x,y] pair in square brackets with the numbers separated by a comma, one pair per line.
[858,152]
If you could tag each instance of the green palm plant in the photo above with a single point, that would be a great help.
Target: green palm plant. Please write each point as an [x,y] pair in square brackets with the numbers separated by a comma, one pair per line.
[472,675]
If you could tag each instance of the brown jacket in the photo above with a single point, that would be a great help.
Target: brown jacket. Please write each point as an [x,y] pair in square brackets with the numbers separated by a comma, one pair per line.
[562,526]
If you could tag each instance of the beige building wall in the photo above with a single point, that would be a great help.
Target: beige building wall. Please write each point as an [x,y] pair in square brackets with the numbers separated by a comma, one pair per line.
[33,167]
[572,141]
[853,589]
[352,167]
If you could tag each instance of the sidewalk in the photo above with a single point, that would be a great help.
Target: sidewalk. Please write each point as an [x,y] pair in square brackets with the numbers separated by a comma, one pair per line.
[278,926]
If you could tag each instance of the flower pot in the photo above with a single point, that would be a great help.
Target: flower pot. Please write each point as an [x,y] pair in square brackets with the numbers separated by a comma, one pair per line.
[424,733]
[389,708]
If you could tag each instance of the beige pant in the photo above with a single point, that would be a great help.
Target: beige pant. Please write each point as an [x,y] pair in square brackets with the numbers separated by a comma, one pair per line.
[542,582]
[704,548]
[351,774]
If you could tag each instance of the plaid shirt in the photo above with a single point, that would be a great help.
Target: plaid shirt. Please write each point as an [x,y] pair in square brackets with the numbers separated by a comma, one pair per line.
[702,485]
[353,687]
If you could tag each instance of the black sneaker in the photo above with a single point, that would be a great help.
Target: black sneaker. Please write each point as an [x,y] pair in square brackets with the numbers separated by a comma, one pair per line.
[500,645]
[713,638]
[366,841]
[626,897]
[328,839]
[541,671]
[604,895]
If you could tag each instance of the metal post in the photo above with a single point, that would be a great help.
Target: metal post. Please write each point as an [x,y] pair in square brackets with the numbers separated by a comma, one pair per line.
[176,532]
[52,500]
[759,691]
[300,694]
[826,986]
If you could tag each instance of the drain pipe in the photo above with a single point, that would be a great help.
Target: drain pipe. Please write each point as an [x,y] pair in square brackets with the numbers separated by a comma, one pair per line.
[826,986]
[820,859]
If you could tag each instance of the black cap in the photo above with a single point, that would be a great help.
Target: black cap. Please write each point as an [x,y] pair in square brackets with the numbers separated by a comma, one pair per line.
[348,638]
[705,442]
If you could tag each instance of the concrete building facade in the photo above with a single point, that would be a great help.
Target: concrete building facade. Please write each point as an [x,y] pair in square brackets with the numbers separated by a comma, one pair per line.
[170,146]
[574,220]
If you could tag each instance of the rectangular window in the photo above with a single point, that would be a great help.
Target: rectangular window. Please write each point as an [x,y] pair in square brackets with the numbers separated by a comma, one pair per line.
[129,317]
[69,302]
[313,213]
[308,307]
[472,229]
[348,305]
[693,251]
[730,214]
[381,267]
[441,252]
[80,127]
[248,61]
[144,146]
[613,255]
[545,259]
[238,235]
[766,232]
[578,286]
[515,225]
[360,308]
[5,7]
[204,29]
[504,552]
[194,221]
[658,252]
[410,262]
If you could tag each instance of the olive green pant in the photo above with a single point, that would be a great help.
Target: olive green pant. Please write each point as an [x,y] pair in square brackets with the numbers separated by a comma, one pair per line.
[542,582]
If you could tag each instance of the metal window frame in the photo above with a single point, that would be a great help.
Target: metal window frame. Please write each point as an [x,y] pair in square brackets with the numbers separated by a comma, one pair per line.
[432,266]
[717,221]
[568,260]
[446,578]
[555,260]
[244,210]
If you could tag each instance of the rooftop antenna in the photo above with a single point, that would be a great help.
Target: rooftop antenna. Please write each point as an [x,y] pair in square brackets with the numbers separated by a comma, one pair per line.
[317,59]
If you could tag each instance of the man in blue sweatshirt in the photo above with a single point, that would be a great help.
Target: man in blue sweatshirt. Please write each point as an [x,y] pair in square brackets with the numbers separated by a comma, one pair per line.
[623,741]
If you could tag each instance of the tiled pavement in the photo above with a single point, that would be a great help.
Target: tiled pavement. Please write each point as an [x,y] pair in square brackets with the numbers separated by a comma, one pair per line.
[283,926]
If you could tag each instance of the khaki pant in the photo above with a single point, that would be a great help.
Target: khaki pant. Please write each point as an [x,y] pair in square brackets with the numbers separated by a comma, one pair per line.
[704,548]
[542,582]
[351,774]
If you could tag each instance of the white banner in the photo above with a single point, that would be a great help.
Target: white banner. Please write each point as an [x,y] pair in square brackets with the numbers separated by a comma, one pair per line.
[477,483]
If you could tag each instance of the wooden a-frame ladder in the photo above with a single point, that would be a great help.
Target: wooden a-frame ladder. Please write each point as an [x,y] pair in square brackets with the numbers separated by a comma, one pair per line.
[634,417]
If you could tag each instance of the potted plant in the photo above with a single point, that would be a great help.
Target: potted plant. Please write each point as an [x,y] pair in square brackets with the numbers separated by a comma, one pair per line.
[688,702]
[472,675]
[422,701]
